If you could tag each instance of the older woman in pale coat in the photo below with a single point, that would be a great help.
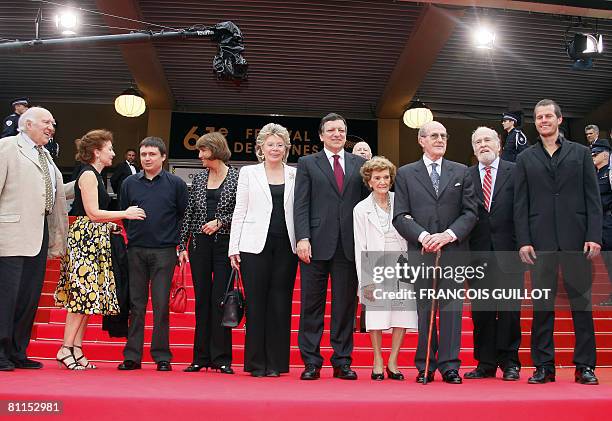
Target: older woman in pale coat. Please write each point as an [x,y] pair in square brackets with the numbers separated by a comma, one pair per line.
[377,243]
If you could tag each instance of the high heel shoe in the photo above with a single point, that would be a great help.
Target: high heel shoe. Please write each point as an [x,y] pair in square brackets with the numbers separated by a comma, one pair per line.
[193,368]
[225,369]
[66,363]
[89,365]
[377,376]
[394,376]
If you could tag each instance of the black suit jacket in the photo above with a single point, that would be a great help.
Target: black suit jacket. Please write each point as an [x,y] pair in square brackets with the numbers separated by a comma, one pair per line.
[122,171]
[494,230]
[557,208]
[320,212]
[418,209]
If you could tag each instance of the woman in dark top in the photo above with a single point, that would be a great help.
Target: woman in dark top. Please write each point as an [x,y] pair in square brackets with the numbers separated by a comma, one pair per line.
[262,241]
[87,283]
[205,237]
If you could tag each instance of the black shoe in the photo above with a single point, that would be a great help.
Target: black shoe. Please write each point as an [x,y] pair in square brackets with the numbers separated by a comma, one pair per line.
[479,373]
[421,376]
[27,364]
[6,365]
[311,372]
[258,373]
[452,377]
[394,375]
[272,373]
[541,376]
[344,372]
[511,374]
[164,366]
[193,368]
[585,375]
[129,365]
[377,376]
[224,369]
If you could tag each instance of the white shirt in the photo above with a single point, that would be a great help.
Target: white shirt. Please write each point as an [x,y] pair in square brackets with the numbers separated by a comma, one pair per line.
[428,163]
[49,164]
[330,158]
[132,167]
[481,169]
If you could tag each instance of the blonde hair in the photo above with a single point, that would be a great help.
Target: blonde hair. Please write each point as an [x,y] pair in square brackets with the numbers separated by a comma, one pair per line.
[272,129]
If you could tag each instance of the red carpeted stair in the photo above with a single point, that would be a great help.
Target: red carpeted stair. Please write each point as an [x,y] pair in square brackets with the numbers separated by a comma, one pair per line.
[48,331]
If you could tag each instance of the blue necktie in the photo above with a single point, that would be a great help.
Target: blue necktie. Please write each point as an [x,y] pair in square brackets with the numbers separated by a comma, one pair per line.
[435,177]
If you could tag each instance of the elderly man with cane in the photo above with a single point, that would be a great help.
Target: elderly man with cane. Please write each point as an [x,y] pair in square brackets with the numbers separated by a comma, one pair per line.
[435,209]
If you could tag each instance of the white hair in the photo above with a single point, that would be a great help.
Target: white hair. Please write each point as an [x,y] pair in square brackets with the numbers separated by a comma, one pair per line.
[30,115]
[488,131]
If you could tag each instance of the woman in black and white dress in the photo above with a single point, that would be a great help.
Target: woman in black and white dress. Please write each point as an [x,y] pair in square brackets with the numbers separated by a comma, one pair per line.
[205,237]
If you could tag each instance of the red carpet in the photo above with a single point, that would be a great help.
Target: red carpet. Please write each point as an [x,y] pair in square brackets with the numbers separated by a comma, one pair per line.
[146,394]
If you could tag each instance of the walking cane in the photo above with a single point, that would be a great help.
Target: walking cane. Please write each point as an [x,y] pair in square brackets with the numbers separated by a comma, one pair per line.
[432,315]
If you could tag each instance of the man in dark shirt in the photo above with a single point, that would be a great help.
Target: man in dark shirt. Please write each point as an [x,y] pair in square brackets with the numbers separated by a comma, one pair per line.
[10,123]
[557,217]
[152,251]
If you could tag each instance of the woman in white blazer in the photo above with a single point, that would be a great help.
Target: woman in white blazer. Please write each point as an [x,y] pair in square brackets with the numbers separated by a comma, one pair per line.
[262,241]
[377,243]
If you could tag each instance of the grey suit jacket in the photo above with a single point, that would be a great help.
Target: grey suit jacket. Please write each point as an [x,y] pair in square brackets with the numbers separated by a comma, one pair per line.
[321,213]
[418,208]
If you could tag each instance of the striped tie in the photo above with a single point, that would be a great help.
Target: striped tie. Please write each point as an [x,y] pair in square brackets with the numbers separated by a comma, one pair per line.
[487,184]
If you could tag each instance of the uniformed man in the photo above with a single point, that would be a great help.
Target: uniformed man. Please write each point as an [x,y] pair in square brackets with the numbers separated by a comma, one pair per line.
[9,125]
[600,151]
[516,141]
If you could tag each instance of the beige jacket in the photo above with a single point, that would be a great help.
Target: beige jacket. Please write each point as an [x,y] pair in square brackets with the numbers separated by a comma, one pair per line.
[22,202]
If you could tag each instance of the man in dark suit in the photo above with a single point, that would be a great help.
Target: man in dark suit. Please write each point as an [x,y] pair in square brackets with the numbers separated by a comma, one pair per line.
[497,321]
[327,188]
[557,212]
[435,208]
[124,170]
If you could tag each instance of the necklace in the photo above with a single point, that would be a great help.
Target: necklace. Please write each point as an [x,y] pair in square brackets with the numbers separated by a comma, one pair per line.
[384,220]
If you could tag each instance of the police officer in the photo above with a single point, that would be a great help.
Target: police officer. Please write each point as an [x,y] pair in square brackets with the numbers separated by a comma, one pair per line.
[516,141]
[9,125]
[600,151]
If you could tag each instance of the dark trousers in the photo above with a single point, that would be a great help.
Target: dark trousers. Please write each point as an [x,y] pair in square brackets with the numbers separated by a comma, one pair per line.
[497,323]
[445,347]
[269,278]
[212,343]
[314,278]
[21,282]
[156,266]
[576,270]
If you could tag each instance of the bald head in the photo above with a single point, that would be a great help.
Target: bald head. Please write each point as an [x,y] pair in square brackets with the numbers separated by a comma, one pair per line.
[433,138]
[362,149]
[38,124]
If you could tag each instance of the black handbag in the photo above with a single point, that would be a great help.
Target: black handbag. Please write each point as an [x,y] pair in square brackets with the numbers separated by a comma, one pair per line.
[233,303]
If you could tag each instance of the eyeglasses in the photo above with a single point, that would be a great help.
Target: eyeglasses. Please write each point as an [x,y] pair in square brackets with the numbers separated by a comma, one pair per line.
[436,136]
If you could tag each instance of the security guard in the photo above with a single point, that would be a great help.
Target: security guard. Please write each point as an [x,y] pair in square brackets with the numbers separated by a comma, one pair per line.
[516,141]
[9,125]
[600,151]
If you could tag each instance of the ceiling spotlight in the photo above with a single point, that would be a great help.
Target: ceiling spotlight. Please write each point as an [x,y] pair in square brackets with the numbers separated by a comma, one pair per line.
[67,22]
[417,114]
[484,38]
[583,48]
[130,103]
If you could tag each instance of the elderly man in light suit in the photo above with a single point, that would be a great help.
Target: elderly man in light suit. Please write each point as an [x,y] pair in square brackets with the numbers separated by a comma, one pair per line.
[33,225]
